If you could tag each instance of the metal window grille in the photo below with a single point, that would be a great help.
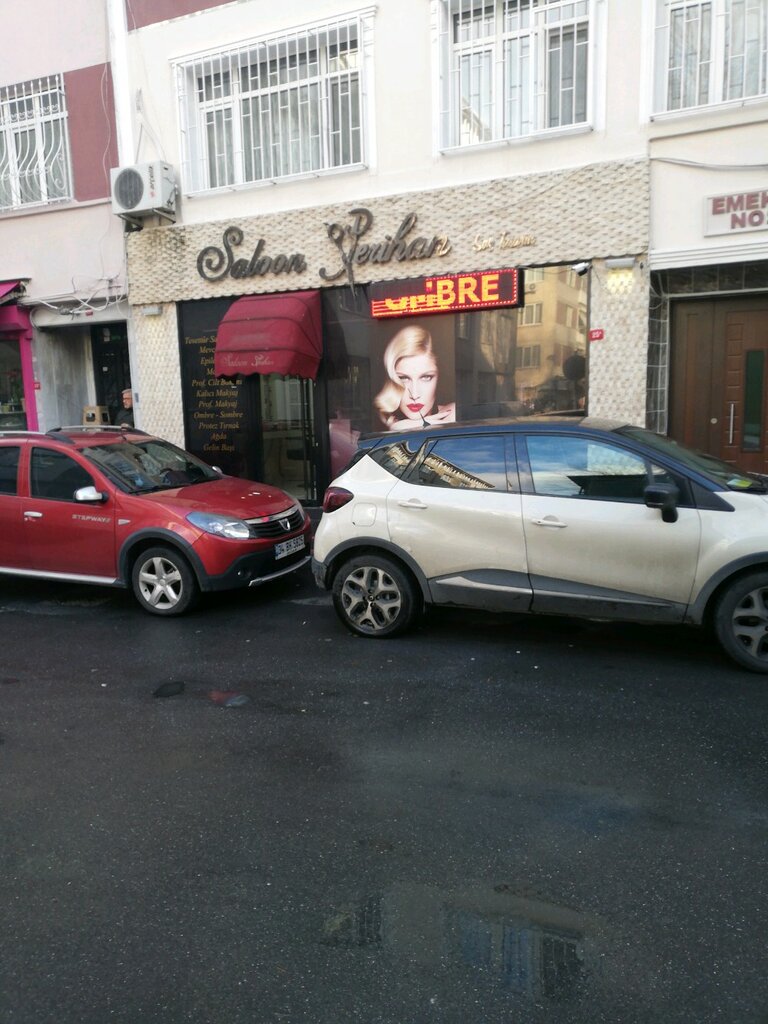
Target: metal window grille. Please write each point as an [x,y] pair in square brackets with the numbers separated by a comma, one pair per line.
[512,68]
[34,143]
[711,52]
[275,107]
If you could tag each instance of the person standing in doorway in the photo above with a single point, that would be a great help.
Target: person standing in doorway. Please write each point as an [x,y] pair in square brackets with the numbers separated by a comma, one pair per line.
[125,417]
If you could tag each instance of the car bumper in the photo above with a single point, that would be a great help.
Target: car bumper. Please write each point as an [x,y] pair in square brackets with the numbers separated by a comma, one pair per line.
[320,573]
[254,569]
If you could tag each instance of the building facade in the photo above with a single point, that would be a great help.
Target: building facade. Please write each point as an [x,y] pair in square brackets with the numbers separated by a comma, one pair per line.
[566,196]
[63,315]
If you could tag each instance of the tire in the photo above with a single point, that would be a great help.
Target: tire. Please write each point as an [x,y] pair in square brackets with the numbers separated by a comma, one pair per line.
[163,582]
[375,597]
[741,621]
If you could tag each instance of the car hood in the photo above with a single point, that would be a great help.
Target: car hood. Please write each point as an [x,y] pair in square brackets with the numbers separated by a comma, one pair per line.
[229,496]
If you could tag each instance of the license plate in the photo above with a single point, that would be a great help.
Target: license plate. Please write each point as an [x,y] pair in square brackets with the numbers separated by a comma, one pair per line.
[287,547]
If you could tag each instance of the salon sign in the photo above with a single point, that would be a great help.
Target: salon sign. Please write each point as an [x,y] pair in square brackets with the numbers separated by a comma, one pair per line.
[452,293]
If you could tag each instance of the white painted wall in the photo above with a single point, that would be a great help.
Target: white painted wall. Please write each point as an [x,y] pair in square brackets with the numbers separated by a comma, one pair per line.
[51,36]
[60,248]
[73,249]
[717,153]
[405,73]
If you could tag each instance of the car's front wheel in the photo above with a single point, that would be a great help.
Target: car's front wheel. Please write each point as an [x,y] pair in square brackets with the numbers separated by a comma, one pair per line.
[163,582]
[741,621]
[373,596]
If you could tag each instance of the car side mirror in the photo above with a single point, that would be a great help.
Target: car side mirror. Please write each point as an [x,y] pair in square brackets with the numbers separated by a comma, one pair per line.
[88,494]
[664,497]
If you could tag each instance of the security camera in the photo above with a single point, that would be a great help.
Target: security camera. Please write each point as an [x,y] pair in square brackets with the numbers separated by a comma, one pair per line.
[580,268]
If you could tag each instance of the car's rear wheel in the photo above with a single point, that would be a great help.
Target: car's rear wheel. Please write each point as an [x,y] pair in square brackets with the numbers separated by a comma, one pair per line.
[741,621]
[374,596]
[163,582]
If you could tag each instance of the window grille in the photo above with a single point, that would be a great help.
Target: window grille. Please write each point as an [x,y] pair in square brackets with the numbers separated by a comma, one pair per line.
[710,52]
[34,143]
[512,68]
[276,107]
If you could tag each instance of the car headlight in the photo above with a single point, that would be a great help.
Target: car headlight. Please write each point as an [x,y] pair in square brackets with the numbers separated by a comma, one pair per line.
[220,526]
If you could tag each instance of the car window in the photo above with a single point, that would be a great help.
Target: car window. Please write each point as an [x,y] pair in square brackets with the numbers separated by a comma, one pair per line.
[9,469]
[464,463]
[55,475]
[151,465]
[395,458]
[574,467]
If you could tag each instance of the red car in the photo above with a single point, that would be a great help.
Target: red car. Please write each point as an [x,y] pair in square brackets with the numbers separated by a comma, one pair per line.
[121,508]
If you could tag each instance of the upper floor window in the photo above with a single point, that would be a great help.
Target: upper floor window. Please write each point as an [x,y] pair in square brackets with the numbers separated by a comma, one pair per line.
[512,68]
[276,107]
[710,52]
[34,144]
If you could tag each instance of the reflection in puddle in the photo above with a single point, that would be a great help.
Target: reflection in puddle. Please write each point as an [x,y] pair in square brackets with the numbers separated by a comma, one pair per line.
[532,948]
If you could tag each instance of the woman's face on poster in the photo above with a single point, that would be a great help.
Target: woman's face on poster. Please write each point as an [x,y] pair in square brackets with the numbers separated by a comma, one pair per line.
[417,375]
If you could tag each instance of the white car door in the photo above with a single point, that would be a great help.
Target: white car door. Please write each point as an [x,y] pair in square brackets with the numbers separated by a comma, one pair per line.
[594,547]
[457,512]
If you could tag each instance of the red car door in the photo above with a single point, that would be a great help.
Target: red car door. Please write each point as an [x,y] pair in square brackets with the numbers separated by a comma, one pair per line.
[64,535]
[13,553]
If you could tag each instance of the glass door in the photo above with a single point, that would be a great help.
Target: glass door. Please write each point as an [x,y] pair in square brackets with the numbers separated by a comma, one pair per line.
[288,435]
[12,407]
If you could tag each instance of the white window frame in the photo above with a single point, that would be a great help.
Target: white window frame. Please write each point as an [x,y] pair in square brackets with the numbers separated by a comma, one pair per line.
[492,53]
[528,357]
[35,163]
[530,315]
[709,52]
[283,93]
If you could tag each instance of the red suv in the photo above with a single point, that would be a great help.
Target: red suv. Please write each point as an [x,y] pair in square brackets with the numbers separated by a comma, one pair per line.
[120,508]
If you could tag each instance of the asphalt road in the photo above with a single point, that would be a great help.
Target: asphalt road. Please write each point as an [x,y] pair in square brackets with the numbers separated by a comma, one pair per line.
[487,822]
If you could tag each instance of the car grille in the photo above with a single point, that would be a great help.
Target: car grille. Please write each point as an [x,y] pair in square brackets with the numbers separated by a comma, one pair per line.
[273,527]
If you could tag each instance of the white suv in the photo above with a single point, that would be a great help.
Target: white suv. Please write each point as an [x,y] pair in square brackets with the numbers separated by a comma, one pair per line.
[578,517]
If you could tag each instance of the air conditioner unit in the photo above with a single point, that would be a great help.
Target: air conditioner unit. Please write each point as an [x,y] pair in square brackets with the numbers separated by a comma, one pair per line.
[143,189]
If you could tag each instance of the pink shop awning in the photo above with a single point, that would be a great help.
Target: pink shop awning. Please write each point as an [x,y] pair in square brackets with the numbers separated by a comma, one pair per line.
[7,288]
[271,334]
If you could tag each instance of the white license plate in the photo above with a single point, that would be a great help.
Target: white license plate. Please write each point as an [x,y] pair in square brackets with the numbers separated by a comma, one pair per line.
[287,547]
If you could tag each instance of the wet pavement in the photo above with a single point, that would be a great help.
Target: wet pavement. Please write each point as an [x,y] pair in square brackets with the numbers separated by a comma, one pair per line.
[488,821]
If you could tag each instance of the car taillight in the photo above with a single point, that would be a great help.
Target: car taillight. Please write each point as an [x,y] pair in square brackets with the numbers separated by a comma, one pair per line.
[336,497]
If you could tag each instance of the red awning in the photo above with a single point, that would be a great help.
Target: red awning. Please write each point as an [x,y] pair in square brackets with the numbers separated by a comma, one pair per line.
[271,334]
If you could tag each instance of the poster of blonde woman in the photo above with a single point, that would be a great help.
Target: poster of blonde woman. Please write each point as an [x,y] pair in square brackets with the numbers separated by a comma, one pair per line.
[418,388]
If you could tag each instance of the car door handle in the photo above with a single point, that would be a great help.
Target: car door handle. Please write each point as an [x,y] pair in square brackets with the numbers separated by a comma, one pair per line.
[550,521]
[33,515]
[412,503]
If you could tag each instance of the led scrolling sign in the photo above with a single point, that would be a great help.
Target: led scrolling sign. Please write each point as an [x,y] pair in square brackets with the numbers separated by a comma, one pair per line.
[452,293]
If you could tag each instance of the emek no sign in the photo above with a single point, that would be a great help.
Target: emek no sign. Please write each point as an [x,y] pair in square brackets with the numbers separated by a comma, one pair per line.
[739,211]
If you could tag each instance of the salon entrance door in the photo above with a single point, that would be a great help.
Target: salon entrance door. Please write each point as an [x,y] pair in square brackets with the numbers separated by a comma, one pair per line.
[289,446]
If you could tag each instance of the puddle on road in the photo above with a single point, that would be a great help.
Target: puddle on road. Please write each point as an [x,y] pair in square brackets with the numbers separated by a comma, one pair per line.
[520,944]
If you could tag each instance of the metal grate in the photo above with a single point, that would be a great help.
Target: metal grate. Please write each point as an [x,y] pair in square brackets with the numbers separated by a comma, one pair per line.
[276,107]
[274,526]
[34,143]
[512,68]
[710,52]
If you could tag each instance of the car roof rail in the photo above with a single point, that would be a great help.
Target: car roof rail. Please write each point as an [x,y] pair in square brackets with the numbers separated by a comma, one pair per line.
[95,428]
[20,431]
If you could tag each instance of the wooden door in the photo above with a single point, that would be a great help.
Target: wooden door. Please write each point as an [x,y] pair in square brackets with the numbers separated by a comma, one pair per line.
[719,379]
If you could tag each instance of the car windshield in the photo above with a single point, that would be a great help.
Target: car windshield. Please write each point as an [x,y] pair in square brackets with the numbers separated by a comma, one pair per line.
[730,477]
[139,467]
